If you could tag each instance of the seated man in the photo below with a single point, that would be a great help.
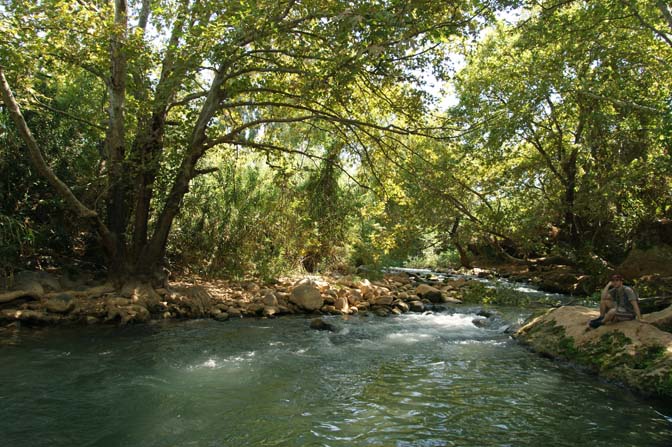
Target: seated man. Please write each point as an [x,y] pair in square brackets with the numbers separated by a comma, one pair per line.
[617,303]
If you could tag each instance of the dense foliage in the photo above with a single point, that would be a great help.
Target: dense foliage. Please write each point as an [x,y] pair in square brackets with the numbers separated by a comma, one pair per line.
[235,137]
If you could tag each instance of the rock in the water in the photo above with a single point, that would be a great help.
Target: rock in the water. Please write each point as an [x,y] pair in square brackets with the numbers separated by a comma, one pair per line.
[321,325]
[307,296]
[402,306]
[381,311]
[218,315]
[485,313]
[269,311]
[417,306]
[430,293]
[479,322]
[234,312]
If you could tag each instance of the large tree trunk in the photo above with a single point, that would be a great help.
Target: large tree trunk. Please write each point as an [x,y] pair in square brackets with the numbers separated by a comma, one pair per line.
[570,219]
[155,251]
[118,178]
[148,144]
[465,259]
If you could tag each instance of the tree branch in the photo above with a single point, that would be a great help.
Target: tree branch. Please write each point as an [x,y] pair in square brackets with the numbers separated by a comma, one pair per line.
[69,115]
[228,137]
[43,168]
[624,104]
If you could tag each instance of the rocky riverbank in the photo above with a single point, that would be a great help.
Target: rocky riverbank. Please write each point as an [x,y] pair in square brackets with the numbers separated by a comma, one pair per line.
[636,354]
[648,270]
[39,298]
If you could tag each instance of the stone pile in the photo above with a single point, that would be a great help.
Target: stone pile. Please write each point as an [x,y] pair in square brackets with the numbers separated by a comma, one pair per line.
[46,300]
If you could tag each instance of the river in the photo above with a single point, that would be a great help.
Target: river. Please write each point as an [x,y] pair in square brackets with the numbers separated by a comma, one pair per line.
[432,379]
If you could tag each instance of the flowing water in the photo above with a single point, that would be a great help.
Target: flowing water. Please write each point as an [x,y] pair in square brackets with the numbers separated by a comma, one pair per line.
[414,380]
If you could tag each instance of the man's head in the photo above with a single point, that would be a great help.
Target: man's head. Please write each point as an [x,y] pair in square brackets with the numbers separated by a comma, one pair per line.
[616,280]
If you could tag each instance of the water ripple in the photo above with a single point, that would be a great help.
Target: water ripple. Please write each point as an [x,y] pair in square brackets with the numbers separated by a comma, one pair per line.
[417,380]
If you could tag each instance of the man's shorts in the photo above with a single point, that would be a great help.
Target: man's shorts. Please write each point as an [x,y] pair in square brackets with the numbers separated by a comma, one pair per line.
[624,316]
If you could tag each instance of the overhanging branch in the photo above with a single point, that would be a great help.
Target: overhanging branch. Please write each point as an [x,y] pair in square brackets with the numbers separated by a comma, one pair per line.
[43,168]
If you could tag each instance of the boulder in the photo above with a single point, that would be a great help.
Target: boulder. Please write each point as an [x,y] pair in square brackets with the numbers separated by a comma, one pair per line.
[428,292]
[402,306]
[354,297]
[363,305]
[135,313]
[401,278]
[450,299]
[485,313]
[417,306]
[60,304]
[307,296]
[197,300]
[270,299]
[365,287]
[31,287]
[381,311]
[320,325]
[125,311]
[651,261]
[218,315]
[384,300]
[559,280]
[234,312]
[636,354]
[661,319]
[270,311]
[26,280]
[342,304]
[480,322]
[328,309]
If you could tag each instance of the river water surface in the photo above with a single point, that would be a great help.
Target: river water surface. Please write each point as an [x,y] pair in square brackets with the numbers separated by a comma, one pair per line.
[414,380]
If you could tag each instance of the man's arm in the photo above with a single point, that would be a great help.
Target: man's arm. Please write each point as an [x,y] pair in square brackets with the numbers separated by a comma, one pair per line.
[632,297]
[605,299]
[635,305]
[605,292]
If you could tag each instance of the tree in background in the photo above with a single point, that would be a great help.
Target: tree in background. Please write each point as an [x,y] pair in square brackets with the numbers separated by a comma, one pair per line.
[172,80]
[568,109]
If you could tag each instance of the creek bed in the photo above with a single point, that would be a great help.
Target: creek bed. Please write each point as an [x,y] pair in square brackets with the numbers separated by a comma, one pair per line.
[413,380]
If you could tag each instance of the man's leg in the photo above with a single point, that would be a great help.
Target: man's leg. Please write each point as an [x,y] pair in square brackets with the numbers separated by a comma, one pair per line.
[605,305]
[609,316]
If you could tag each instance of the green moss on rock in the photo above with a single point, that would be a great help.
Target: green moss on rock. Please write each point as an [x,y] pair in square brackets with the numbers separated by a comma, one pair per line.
[647,368]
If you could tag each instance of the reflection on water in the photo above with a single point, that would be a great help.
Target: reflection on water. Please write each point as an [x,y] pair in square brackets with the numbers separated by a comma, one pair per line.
[414,380]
